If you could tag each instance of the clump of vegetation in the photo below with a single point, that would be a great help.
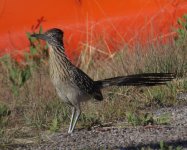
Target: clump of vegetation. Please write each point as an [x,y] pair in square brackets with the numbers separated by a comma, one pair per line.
[182,31]
[147,119]
[17,74]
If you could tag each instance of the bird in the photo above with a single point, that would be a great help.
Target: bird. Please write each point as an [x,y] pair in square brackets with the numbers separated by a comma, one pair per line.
[74,86]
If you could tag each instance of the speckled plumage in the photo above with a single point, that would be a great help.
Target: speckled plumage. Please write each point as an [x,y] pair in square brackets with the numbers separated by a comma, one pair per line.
[61,69]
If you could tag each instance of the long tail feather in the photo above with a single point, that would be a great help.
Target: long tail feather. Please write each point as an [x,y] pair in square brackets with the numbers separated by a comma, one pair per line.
[145,79]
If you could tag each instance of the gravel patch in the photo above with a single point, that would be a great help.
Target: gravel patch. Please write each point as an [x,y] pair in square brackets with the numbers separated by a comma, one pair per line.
[181,96]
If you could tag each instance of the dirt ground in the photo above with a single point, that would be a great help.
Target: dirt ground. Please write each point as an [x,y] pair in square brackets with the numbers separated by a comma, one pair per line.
[117,137]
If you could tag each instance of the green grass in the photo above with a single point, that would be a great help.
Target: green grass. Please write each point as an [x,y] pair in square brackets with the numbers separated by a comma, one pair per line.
[29,104]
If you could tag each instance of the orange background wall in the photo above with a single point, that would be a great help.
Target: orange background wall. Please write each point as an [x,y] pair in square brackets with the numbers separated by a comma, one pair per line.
[86,21]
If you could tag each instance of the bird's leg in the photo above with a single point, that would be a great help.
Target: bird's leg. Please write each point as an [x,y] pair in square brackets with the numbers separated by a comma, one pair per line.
[77,114]
[72,118]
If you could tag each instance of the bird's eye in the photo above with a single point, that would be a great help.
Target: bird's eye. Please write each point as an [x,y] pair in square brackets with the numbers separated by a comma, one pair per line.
[52,35]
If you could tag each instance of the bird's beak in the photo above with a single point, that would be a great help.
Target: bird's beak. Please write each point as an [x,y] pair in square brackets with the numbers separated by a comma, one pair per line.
[41,36]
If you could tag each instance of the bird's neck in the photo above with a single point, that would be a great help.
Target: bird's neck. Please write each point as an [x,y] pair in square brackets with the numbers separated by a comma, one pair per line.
[59,63]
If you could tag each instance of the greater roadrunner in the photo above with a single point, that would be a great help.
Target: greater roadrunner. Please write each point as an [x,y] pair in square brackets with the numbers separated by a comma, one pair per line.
[74,86]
